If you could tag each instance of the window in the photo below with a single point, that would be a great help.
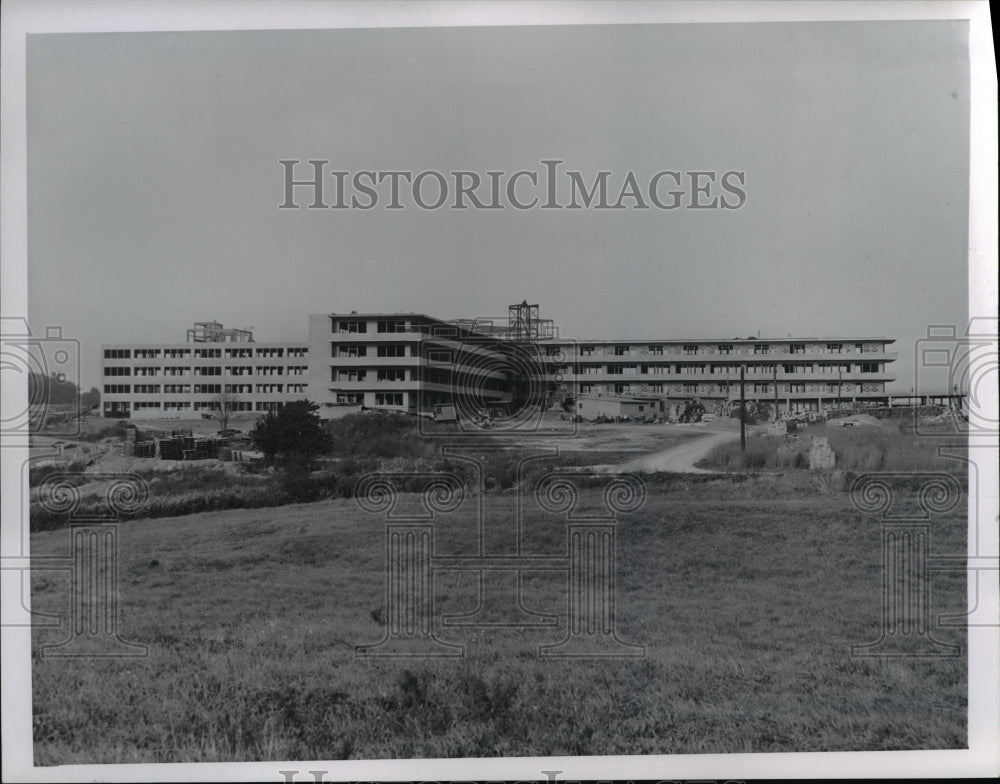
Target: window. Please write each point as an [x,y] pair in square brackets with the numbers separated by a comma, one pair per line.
[391,350]
[761,348]
[268,389]
[690,386]
[147,389]
[236,389]
[690,348]
[117,371]
[117,389]
[348,375]
[834,348]
[207,389]
[177,389]
[147,353]
[296,388]
[586,351]
[355,398]
[586,389]
[297,353]
[622,350]
[208,371]
[391,374]
[147,371]
[656,350]
[869,367]
[176,405]
[208,353]
[725,348]
[392,325]
[177,353]
[656,387]
[350,350]
[797,387]
[117,353]
[270,353]
[239,353]
[761,386]
[614,370]
[388,398]
[352,327]
[797,348]
[269,370]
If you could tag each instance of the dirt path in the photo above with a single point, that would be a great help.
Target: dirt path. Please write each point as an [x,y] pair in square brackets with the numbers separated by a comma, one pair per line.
[680,458]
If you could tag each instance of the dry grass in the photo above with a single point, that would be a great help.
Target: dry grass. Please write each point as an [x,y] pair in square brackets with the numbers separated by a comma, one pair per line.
[746,596]
[858,449]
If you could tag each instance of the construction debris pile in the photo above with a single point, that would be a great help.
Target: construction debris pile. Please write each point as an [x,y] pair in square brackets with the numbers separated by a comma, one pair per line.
[178,445]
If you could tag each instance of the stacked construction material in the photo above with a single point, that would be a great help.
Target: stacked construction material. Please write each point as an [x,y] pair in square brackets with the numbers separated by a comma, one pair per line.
[139,443]
[144,449]
[188,447]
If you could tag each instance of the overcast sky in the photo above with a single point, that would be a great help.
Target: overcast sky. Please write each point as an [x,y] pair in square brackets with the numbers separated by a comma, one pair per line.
[154,183]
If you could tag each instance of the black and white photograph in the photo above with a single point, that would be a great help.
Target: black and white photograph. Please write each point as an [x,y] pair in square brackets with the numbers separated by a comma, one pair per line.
[535,391]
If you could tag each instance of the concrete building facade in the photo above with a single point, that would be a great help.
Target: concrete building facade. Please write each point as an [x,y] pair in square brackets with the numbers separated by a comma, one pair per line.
[802,374]
[214,366]
[402,362]
[411,362]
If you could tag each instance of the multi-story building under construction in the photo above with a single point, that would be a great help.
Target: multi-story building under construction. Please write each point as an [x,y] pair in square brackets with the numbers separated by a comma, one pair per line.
[413,362]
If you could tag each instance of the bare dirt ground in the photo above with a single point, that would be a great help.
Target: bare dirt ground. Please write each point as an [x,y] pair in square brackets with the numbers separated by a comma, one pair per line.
[680,458]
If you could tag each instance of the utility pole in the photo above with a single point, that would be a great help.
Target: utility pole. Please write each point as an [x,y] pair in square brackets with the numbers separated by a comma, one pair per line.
[775,366]
[743,408]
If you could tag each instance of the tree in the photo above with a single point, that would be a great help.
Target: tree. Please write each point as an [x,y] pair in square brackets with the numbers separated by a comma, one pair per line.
[292,436]
[225,405]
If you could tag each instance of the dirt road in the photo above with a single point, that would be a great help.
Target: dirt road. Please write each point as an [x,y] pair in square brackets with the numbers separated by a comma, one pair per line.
[680,458]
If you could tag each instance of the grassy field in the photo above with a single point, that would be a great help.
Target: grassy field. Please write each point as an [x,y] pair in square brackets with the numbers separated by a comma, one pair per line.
[892,446]
[747,592]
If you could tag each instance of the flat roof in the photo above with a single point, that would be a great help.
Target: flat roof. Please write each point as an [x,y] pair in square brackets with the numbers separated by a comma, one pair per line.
[750,341]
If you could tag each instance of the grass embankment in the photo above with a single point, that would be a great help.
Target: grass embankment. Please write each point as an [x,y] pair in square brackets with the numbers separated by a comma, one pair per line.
[746,595]
[858,449]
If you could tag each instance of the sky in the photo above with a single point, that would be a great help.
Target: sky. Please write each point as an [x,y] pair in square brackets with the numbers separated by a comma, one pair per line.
[154,182]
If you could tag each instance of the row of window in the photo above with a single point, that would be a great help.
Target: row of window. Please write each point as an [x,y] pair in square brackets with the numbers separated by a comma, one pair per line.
[202,389]
[355,374]
[724,388]
[209,370]
[690,349]
[701,368]
[353,350]
[357,327]
[184,405]
[205,353]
